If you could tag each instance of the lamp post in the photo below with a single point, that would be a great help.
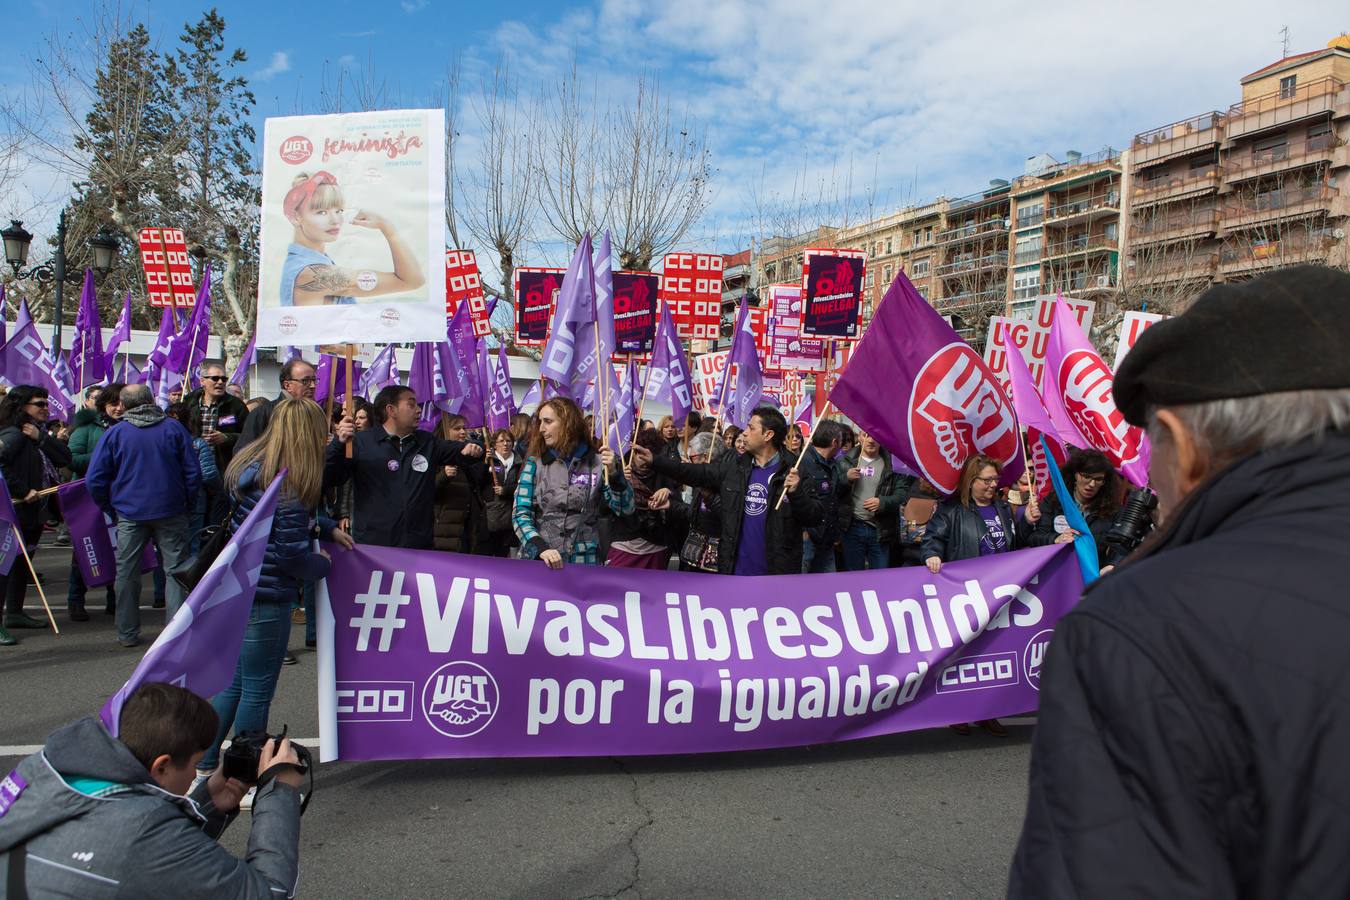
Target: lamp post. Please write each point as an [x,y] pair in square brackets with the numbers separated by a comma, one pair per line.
[17,238]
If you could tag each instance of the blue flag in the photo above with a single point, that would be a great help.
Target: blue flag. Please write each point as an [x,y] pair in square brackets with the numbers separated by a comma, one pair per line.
[1085,545]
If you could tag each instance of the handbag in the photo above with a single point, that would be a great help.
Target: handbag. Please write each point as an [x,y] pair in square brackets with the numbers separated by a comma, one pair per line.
[700,552]
[914,519]
[213,540]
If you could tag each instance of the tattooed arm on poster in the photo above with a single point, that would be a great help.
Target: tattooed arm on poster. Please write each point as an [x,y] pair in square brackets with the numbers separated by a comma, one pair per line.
[317,282]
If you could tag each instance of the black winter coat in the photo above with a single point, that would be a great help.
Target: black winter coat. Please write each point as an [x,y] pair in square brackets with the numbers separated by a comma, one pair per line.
[288,560]
[1044,532]
[233,414]
[830,487]
[893,491]
[1195,707]
[21,462]
[954,532]
[729,474]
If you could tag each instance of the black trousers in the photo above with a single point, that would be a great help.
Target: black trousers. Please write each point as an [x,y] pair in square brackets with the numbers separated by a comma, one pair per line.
[14,586]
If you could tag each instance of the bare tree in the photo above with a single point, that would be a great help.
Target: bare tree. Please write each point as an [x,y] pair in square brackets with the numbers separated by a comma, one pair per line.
[658,175]
[569,157]
[502,182]
[447,98]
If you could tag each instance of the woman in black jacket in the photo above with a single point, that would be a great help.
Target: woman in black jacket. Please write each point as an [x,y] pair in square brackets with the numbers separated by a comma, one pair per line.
[975,522]
[644,538]
[29,457]
[459,525]
[497,495]
[294,441]
[1097,490]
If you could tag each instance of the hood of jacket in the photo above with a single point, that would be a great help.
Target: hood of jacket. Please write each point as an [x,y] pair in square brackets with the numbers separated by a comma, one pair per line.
[84,417]
[83,748]
[144,416]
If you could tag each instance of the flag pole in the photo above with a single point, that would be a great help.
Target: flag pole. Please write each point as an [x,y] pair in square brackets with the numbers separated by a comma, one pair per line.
[602,377]
[41,593]
[806,441]
[637,423]
[348,402]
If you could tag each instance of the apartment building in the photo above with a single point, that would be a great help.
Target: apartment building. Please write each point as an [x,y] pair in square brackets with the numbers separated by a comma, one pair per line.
[973,257]
[903,240]
[1066,226]
[736,282]
[1229,194]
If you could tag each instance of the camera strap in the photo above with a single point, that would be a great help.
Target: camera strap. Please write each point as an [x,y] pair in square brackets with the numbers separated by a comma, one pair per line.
[303,769]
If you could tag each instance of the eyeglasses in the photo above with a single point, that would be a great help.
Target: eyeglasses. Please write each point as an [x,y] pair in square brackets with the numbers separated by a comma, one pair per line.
[311,380]
[40,404]
[991,480]
[216,378]
[1092,479]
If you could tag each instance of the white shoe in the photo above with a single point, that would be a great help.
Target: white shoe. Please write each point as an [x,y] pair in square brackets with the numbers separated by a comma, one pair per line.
[246,802]
[201,776]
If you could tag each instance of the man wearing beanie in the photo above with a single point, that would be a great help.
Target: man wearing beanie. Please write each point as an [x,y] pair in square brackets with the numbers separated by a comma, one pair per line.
[1194,723]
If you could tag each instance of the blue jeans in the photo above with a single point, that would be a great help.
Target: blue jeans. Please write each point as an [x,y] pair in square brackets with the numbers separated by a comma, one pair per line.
[171,536]
[311,617]
[75,594]
[863,549]
[817,559]
[244,705]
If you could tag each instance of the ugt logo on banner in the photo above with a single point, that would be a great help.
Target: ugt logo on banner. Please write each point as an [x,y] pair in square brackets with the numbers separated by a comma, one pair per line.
[954,412]
[1085,384]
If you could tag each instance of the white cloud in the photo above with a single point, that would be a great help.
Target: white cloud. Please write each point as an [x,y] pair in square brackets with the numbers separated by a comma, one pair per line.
[281,62]
[413,6]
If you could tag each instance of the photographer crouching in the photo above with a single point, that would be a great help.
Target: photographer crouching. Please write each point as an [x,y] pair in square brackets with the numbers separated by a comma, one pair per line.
[1195,707]
[92,815]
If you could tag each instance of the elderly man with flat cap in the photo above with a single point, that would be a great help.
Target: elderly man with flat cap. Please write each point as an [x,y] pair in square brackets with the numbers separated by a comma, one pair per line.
[1194,733]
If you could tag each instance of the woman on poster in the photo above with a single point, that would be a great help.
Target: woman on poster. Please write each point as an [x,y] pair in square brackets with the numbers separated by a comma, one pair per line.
[310,277]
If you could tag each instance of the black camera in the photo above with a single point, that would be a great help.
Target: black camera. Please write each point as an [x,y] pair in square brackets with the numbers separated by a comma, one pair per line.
[240,760]
[1135,521]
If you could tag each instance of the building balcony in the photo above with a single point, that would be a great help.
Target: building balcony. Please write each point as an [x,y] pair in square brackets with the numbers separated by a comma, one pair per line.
[974,264]
[970,299]
[1160,189]
[1285,203]
[971,231]
[1282,107]
[1161,230]
[1195,133]
[1241,258]
[1259,163]
[1086,210]
[1149,269]
[1079,281]
[1083,243]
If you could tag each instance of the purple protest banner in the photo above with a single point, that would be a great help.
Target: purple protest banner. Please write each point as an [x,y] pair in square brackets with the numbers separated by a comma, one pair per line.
[93,539]
[199,648]
[426,655]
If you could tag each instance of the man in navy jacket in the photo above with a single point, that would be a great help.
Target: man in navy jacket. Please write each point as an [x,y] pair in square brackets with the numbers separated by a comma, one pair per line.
[145,473]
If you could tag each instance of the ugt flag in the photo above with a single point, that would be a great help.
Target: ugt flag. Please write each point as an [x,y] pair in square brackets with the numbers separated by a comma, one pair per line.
[1077,390]
[200,646]
[925,395]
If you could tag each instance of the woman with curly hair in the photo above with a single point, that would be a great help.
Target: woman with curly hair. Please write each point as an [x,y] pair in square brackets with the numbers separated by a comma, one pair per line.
[1097,489]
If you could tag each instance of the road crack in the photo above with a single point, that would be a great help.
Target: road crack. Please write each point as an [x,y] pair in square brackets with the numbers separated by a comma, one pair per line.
[648,820]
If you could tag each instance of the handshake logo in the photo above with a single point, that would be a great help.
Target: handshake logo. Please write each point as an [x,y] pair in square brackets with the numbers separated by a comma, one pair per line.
[460,699]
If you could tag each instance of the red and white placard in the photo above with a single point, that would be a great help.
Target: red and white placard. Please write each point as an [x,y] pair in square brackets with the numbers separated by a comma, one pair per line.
[462,283]
[168,271]
[691,283]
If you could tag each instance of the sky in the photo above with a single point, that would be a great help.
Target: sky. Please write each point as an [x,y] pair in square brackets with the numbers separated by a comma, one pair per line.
[891,102]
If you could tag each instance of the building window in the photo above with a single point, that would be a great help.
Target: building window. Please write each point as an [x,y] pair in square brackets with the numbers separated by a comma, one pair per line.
[917,235]
[1028,249]
[1031,214]
[888,246]
[1288,85]
[928,235]
[920,267]
[1026,284]
[1111,230]
[886,275]
[869,279]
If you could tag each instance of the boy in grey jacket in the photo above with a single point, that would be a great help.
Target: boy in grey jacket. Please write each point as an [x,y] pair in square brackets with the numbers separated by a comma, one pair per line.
[96,816]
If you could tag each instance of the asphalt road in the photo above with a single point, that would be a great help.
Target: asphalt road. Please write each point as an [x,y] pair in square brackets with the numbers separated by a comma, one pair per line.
[927,814]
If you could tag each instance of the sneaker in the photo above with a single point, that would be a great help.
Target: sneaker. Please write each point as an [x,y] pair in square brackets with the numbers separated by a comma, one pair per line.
[196,782]
[246,801]
[289,659]
[63,536]
[23,620]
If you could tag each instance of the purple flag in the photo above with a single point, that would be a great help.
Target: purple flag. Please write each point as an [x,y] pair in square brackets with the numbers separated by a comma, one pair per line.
[570,352]
[9,530]
[189,348]
[65,375]
[86,351]
[1027,402]
[423,380]
[247,360]
[159,354]
[23,317]
[668,378]
[25,360]
[93,536]
[502,403]
[804,416]
[199,648]
[383,372]
[925,395]
[324,372]
[467,376]
[749,378]
[604,298]
[624,420]
[1077,391]
[128,372]
[120,335]
[463,658]
[3,315]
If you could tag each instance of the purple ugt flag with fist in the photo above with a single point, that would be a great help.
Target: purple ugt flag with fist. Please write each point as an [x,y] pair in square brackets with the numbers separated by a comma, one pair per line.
[199,648]
[925,395]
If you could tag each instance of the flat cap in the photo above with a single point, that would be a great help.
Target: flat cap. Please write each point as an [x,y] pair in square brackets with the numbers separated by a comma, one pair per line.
[1285,331]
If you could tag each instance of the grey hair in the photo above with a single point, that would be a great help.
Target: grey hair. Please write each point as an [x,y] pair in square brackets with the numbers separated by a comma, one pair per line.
[206,367]
[701,443]
[1227,430]
[134,395]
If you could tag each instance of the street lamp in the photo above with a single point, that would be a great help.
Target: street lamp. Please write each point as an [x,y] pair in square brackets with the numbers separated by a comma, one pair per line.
[104,246]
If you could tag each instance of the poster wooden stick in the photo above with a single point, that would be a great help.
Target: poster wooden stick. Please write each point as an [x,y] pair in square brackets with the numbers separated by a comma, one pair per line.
[41,593]
[602,378]
[332,388]
[806,442]
[348,402]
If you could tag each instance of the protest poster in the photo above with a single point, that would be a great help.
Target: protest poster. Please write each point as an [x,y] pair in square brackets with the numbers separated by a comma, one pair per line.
[352,228]
[691,285]
[1131,327]
[536,294]
[168,270]
[635,311]
[832,280]
[93,536]
[788,349]
[463,284]
[708,370]
[1032,335]
[436,655]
